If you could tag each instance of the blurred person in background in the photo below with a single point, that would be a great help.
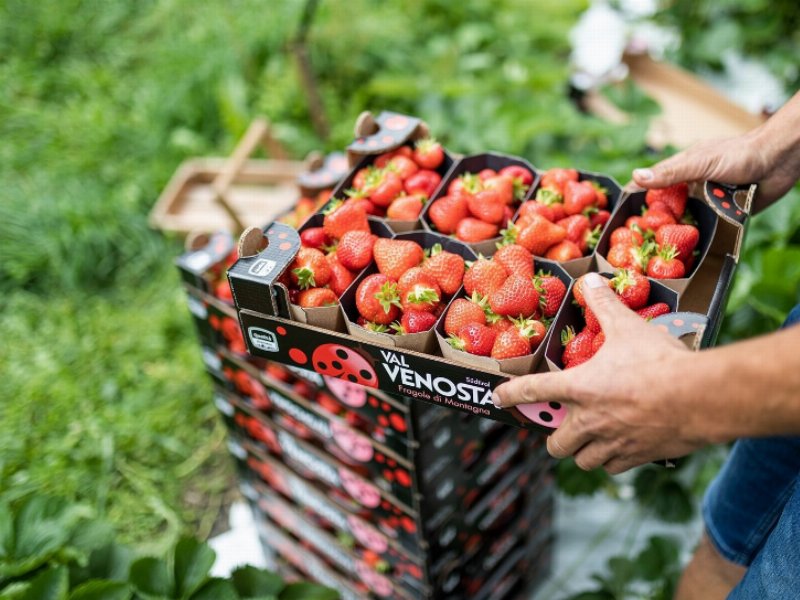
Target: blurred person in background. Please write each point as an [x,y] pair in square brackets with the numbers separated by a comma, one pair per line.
[645,396]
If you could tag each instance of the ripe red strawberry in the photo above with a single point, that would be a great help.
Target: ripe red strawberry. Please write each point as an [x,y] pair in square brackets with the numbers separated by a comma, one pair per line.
[395,257]
[414,321]
[578,196]
[463,312]
[652,220]
[223,291]
[517,173]
[341,276]
[428,153]
[577,347]
[402,166]
[474,338]
[423,183]
[510,343]
[577,227]
[597,342]
[592,324]
[601,195]
[418,290]
[314,237]
[600,218]
[355,249]
[486,206]
[551,293]
[345,217]
[634,222]
[632,288]
[377,299]
[623,235]
[484,277]
[683,237]
[447,268]
[517,297]
[316,297]
[406,208]
[540,235]
[447,212]
[538,331]
[666,265]
[564,251]
[501,323]
[515,259]
[475,230]
[383,185]
[466,184]
[535,208]
[310,269]
[502,188]
[674,196]
[625,256]
[653,311]
[555,179]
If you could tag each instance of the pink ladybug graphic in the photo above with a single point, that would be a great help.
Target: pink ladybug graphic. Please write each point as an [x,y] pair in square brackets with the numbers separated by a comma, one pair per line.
[347,393]
[363,492]
[367,536]
[335,360]
[353,444]
[549,414]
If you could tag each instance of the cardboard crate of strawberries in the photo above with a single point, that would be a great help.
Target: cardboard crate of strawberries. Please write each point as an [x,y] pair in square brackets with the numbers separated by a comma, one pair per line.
[424,318]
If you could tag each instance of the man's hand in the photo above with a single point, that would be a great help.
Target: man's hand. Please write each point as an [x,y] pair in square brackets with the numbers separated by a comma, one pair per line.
[769,156]
[622,406]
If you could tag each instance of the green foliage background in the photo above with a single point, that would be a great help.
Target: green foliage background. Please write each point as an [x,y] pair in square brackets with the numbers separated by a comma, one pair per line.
[103,393]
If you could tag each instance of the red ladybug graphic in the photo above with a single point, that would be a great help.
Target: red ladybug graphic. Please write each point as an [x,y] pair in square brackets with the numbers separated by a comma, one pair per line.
[335,360]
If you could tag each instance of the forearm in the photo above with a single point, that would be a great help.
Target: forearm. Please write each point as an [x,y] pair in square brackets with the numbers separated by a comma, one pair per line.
[778,145]
[747,389]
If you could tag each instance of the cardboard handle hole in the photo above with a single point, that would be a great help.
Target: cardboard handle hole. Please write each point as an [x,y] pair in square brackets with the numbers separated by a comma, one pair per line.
[366,125]
[252,242]
[196,240]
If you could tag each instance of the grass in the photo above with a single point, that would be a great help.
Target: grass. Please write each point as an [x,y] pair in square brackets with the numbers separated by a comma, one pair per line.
[103,393]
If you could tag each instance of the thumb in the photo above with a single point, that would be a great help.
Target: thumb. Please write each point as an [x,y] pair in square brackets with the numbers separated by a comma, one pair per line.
[612,314]
[684,166]
[529,389]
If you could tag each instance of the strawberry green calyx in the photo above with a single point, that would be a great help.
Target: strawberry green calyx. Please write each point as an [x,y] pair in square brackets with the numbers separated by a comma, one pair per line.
[376,327]
[520,189]
[332,206]
[436,249]
[354,193]
[472,183]
[549,197]
[483,303]
[388,296]
[421,295]
[456,342]
[644,253]
[525,327]
[688,219]
[668,252]
[397,328]
[622,280]
[598,188]
[305,278]
[593,237]
[425,145]
[509,236]
[567,335]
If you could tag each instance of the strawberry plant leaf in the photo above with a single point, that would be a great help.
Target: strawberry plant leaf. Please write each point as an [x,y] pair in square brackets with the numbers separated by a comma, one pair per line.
[250,582]
[216,589]
[97,589]
[193,562]
[151,578]
[308,591]
[51,584]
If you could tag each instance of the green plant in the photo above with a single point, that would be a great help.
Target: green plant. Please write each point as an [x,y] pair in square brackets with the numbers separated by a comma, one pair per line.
[51,549]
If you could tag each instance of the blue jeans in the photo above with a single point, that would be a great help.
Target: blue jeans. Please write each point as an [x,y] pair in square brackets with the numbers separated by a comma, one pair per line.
[752,513]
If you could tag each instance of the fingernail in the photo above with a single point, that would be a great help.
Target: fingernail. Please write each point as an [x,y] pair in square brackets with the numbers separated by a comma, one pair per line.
[593,280]
[496,400]
[643,174]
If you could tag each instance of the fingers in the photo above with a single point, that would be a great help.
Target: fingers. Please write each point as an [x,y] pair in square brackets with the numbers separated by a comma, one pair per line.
[567,439]
[619,464]
[544,387]
[612,314]
[684,166]
[594,455]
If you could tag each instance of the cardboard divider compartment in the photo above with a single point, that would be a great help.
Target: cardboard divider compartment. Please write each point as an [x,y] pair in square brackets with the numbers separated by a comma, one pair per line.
[424,341]
[475,164]
[615,196]
[521,365]
[700,211]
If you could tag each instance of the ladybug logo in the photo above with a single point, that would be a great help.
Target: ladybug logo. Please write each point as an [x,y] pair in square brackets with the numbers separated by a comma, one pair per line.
[263,339]
[335,360]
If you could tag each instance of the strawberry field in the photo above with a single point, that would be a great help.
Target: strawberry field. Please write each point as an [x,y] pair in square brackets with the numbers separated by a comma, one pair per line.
[104,397]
